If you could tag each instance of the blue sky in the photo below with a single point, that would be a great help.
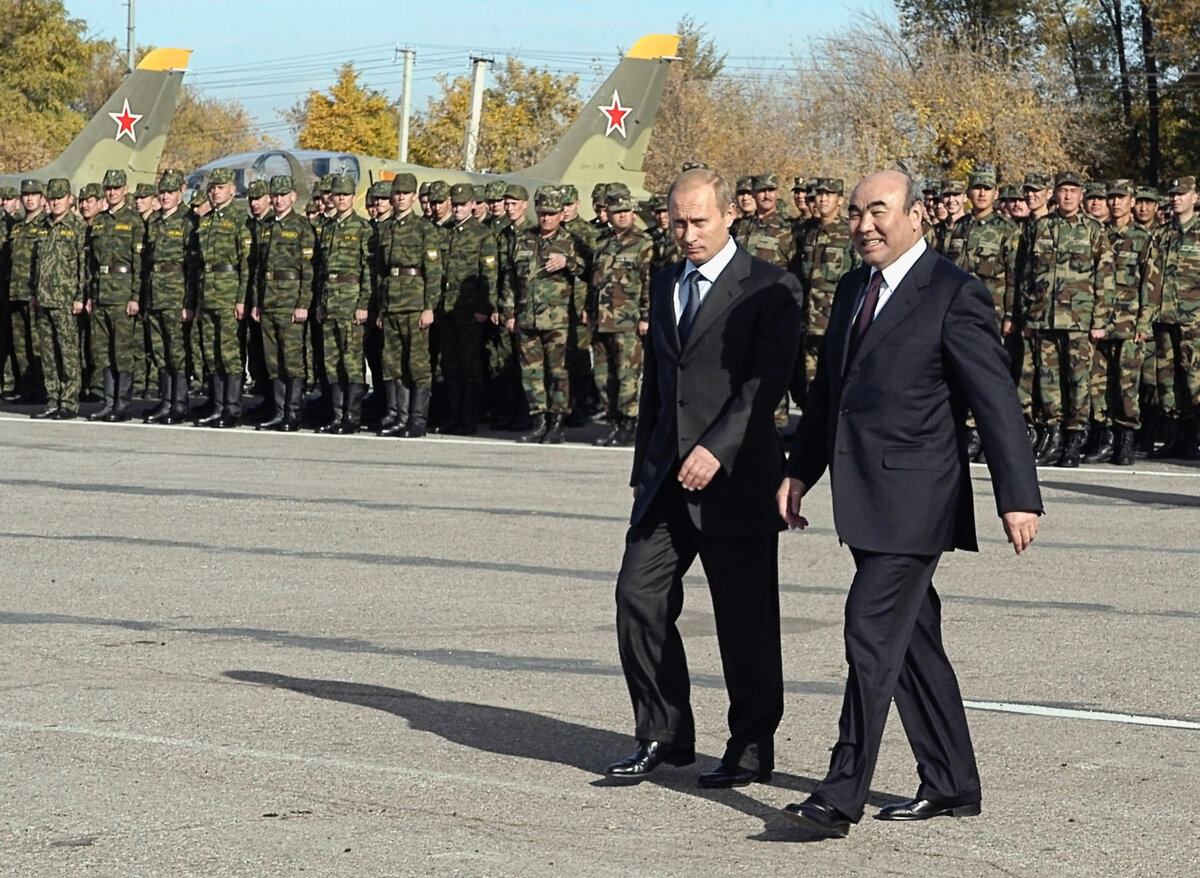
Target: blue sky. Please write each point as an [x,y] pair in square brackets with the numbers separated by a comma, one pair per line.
[269,54]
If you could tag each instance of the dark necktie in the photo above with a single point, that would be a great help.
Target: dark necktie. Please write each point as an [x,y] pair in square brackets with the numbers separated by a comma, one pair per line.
[688,317]
[865,315]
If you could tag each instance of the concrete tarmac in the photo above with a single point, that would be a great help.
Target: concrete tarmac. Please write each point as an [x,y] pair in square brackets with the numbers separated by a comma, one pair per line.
[238,653]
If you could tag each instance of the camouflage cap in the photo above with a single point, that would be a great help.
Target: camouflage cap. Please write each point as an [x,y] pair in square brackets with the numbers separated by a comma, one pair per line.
[548,199]
[744,184]
[379,189]
[953,187]
[91,190]
[198,198]
[439,191]
[257,189]
[830,184]
[494,191]
[798,184]
[406,183]
[599,193]
[170,181]
[1120,187]
[516,192]
[617,201]
[316,190]
[693,165]
[462,193]
[1095,189]
[931,187]
[282,184]
[7,193]
[325,184]
[769,180]
[617,189]
[220,176]
[1037,180]
[341,184]
[1010,192]
[1067,178]
[569,193]
[1146,193]
[423,190]
[114,178]
[32,187]
[658,202]
[58,187]
[986,179]
[146,190]
[1180,185]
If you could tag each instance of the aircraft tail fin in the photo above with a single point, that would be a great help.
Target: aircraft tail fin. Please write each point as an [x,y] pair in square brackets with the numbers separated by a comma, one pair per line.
[129,131]
[607,142]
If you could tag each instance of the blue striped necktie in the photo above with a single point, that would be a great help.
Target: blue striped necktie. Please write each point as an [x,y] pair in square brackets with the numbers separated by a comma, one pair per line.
[688,317]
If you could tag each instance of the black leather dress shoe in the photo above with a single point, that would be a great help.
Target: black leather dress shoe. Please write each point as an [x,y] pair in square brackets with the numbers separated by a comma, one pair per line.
[651,754]
[726,775]
[816,815]
[923,809]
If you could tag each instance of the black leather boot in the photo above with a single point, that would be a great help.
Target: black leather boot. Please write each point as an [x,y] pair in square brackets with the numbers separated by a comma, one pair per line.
[124,409]
[1102,448]
[179,399]
[110,397]
[352,415]
[293,402]
[450,411]
[554,430]
[279,388]
[537,431]
[1051,448]
[1072,449]
[1123,446]
[391,390]
[610,435]
[337,400]
[627,434]
[231,410]
[403,402]
[218,398]
[418,416]
[158,415]
[1172,440]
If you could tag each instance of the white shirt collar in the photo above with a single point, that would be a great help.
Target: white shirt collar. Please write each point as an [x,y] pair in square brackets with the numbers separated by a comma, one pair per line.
[894,273]
[712,269]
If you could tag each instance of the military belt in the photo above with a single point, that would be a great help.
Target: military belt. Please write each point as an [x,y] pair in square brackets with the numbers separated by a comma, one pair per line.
[220,269]
[115,269]
[168,268]
[344,278]
[407,272]
[283,275]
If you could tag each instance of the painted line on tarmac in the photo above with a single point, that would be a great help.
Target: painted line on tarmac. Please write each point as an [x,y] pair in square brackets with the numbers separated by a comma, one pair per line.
[1068,713]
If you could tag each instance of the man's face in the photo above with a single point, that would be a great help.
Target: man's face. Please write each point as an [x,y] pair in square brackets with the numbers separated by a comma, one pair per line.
[220,194]
[940,211]
[32,202]
[59,206]
[548,223]
[1018,208]
[1069,197]
[441,209]
[282,202]
[515,208]
[622,220]
[663,218]
[383,206]
[1120,207]
[425,208]
[601,212]
[765,200]
[114,196]
[882,229]
[1183,204]
[343,204]
[11,205]
[259,206]
[479,209]
[327,201]
[1036,198]
[1144,210]
[170,200]
[496,208]
[800,200]
[982,198]
[570,211]
[89,207]
[1097,207]
[828,205]
[954,203]
[402,202]
[746,203]
[461,211]
[701,225]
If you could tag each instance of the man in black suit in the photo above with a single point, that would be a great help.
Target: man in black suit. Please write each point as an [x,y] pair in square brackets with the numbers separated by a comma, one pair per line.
[724,328]
[912,344]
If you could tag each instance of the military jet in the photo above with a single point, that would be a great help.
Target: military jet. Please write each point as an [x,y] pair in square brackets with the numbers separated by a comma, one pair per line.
[128,132]
[605,144]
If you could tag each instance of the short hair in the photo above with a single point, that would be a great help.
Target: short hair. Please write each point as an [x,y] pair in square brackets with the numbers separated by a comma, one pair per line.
[913,195]
[697,177]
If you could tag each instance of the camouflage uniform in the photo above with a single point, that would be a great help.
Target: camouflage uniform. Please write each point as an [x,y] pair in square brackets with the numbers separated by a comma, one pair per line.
[666,248]
[61,271]
[468,277]
[252,337]
[987,247]
[22,280]
[1069,268]
[619,300]
[579,335]
[507,389]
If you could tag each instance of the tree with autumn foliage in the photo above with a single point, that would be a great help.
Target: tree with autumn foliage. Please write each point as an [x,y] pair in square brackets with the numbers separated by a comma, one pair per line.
[347,118]
[524,114]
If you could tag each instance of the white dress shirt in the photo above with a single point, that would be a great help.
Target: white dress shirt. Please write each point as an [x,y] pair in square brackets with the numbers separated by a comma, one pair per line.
[892,276]
[709,272]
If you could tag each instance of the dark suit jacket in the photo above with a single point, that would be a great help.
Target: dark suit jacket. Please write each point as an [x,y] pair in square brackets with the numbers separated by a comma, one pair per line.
[889,425]
[720,392]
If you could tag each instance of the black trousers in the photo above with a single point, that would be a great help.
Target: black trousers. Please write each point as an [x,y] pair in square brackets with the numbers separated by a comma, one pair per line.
[743,579]
[894,649]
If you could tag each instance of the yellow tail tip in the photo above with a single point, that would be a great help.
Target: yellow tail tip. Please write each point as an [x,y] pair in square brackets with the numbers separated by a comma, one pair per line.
[655,46]
[165,59]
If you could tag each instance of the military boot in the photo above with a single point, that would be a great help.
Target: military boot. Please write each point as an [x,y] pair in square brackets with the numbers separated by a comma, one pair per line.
[1072,450]
[403,400]
[1051,449]
[418,417]
[391,390]
[231,411]
[159,414]
[554,430]
[352,416]
[217,381]
[1102,449]
[1172,440]
[110,397]
[279,388]
[610,435]
[293,402]
[627,434]
[1123,446]
[537,431]
[124,409]
[179,400]
[337,399]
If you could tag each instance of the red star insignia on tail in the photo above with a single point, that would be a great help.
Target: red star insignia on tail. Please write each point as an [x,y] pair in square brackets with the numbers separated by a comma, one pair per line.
[616,115]
[126,120]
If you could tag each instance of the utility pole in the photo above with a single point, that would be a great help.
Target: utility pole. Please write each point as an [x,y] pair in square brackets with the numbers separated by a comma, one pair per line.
[471,143]
[405,99]
[131,44]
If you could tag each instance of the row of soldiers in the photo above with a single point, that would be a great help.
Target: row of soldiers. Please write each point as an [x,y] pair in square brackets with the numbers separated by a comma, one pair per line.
[466,290]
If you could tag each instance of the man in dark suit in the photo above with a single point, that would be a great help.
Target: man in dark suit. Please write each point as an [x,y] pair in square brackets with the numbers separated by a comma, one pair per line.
[724,328]
[912,344]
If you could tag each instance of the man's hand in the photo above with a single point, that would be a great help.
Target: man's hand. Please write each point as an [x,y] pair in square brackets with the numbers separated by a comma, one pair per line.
[300,315]
[1006,327]
[187,315]
[511,324]
[132,308]
[256,314]
[360,316]
[643,327]
[426,319]
[239,311]
[1097,334]
[77,307]
[699,468]
[1020,528]
[555,262]
[788,497]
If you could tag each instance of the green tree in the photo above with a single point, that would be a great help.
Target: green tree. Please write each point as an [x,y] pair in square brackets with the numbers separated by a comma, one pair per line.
[347,118]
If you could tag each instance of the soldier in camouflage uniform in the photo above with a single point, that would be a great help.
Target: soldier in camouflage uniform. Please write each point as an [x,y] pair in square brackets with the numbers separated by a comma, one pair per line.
[88,204]
[506,392]
[618,314]
[583,399]
[343,300]
[1172,296]
[283,298]
[116,238]
[953,198]
[1022,353]
[409,267]
[375,404]
[58,297]
[825,255]
[170,298]
[600,208]
[746,205]
[468,278]
[439,204]
[22,280]
[1069,268]
[1095,201]
[537,299]
[800,202]
[666,248]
